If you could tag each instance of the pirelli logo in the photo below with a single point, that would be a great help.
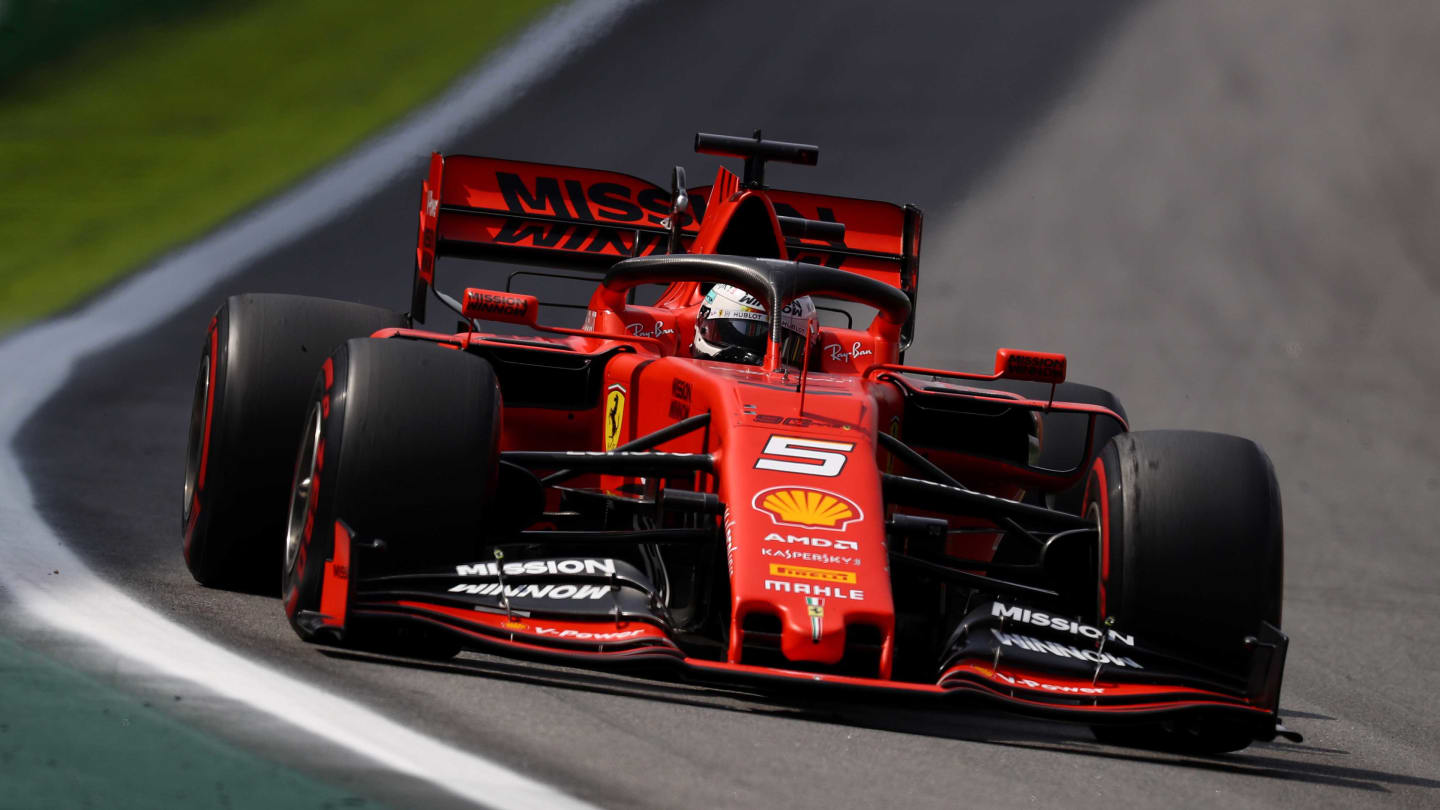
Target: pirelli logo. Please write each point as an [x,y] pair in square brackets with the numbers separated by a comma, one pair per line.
[819,574]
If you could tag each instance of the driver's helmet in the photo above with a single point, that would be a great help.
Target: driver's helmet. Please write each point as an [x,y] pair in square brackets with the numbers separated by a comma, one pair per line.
[732,327]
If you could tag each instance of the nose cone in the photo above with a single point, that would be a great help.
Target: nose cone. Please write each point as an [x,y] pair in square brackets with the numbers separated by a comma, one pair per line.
[813,557]
[804,522]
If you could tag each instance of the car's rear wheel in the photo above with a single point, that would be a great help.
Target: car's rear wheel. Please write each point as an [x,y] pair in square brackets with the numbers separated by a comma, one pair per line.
[401,446]
[257,364]
[1063,446]
[1063,435]
[1191,560]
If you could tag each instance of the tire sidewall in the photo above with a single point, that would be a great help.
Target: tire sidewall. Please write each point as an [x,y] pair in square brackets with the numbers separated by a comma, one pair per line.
[301,582]
[201,542]
[1103,503]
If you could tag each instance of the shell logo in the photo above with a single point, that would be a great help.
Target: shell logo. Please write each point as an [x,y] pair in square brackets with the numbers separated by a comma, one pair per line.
[811,508]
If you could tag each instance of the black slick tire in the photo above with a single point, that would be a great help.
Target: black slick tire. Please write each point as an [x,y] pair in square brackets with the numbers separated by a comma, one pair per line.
[1191,559]
[401,444]
[257,363]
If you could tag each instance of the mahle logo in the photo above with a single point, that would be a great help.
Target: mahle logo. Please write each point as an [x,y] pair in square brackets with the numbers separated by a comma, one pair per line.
[811,508]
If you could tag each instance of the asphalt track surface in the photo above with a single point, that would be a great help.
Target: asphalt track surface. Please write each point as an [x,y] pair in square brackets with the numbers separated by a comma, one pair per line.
[1223,213]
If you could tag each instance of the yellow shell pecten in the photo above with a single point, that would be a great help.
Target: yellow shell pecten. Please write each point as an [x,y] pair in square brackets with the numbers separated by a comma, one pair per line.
[808,507]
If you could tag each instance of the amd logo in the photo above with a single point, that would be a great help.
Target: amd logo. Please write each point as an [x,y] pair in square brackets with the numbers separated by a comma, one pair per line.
[813,542]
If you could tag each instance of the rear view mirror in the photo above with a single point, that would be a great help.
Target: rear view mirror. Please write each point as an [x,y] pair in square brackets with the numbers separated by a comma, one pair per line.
[679,204]
[1018,364]
[504,307]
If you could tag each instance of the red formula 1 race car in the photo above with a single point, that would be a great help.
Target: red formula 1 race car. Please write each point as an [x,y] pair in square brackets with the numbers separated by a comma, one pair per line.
[721,481]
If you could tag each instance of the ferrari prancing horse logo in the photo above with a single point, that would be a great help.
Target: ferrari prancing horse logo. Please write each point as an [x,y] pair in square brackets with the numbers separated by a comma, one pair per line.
[614,416]
[815,610]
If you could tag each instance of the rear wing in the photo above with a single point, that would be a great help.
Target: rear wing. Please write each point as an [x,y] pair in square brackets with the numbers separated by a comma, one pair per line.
[587,219]
[535,213]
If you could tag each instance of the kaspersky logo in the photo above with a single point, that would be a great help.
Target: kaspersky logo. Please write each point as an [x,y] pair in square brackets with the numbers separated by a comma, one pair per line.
[810,508]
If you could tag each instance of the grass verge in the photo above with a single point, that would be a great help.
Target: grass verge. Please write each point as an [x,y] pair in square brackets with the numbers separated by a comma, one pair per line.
[147,139]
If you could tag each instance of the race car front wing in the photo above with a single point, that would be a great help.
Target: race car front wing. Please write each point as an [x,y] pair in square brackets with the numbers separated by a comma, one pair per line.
[587,610]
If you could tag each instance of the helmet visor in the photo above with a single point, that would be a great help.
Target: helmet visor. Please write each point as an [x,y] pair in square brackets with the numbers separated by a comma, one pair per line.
[736,333]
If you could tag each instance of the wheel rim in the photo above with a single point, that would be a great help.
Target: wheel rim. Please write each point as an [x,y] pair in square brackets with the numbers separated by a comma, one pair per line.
[195,447]
[302,489]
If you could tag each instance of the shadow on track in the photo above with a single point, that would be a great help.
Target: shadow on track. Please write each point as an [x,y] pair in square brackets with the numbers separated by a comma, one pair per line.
[1249,763]
[965,722]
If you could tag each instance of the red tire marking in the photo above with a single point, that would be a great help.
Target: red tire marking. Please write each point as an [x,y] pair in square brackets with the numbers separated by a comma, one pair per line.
[209,403]
[1103,499]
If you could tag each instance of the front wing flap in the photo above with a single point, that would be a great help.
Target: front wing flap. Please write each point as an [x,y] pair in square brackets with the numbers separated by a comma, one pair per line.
[585,606]
[1039,658]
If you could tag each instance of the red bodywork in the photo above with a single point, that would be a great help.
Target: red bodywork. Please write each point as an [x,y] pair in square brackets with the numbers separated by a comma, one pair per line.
[797,459]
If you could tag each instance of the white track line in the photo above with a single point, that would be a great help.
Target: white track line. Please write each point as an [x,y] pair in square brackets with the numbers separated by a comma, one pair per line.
[36,362]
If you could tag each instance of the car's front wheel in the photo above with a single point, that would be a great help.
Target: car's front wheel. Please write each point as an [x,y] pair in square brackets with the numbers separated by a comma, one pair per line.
[1191,559]
[400,451]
